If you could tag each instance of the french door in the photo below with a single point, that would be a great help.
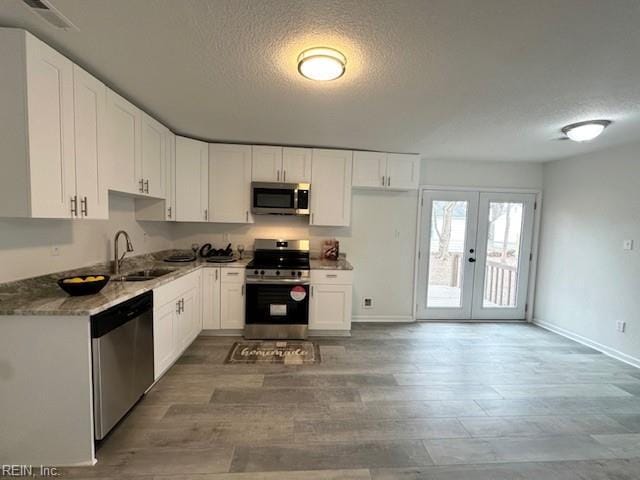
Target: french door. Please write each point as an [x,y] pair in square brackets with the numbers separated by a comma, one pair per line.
[475,252]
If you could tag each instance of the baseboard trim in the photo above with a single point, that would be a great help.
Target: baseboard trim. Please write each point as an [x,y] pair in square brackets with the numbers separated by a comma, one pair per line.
[611,352]
[382,319]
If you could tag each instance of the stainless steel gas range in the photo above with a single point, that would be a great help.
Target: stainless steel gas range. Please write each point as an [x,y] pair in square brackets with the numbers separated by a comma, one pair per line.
[277,299]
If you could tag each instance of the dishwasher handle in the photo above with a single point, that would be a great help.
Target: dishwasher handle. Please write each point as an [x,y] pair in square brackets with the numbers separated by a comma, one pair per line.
[104,322]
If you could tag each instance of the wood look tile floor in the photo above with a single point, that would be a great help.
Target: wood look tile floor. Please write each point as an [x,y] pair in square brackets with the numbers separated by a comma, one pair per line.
[417,401]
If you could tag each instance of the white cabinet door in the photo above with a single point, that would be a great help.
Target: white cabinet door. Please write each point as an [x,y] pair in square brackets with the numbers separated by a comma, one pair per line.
[266,163]
[190,318]
[49,83]
[89,102]
[170,183]
[403,171]
[232,305]
[331,187]
[229,183]
[296,165]
[369,169]
[124,143]
[164,335]
[211,298]
[151,169]
[330,307]
[191,180]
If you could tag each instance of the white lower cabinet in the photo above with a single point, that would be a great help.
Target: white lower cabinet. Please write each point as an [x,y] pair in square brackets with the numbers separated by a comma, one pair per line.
[331,300]
[211,298]
[232,298]
[177,319]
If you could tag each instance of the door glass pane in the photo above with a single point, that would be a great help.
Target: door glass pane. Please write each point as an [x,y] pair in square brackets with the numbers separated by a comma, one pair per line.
[446,252]
[503,254]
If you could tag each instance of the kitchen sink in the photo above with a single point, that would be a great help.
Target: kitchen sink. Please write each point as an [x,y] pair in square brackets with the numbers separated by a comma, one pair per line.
[144,275]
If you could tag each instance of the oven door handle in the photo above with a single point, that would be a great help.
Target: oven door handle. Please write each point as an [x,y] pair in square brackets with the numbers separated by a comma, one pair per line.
[280,281]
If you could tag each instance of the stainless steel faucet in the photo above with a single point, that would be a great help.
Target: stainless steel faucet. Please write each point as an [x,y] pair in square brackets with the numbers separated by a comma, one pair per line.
[117,261]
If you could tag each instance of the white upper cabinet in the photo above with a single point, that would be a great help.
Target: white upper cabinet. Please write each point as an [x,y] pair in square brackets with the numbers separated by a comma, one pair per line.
[369,169]
[386,171]
[281,164]
[403,171]
[229,183]
[296,165]
[124,126]
[151,170]
[192,176]
[266,163]
[331,187]
[50,132]
[90,101]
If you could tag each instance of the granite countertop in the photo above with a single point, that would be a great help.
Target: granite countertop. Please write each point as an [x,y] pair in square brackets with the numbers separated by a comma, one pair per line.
[42,295]
[323,264]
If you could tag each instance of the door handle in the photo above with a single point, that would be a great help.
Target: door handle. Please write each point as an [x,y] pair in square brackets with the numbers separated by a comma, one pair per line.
[84,209]
[384,179]
[178,307]
[74,206]
[169,212]
[141,185]
[146,186]
[389,181]
[472,260]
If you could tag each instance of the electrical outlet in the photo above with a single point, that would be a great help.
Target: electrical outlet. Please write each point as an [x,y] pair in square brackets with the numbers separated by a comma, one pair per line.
[627,245]
[225,237]
[55,251]
[621,326]
[367,302]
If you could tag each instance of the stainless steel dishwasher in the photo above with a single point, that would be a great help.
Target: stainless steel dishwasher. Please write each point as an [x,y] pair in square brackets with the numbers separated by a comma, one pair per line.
[122,345]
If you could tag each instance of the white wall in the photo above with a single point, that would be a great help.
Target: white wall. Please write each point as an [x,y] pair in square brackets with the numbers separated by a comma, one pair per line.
[586,281]
[26,244]
[379,244]
[481,174]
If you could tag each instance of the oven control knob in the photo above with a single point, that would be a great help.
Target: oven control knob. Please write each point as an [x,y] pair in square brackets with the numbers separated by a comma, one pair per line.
[255,272]
[299,274]
[277,272]
[261,272]
[293,273]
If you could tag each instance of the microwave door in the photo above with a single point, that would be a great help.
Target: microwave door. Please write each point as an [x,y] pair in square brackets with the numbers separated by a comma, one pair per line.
[270,200]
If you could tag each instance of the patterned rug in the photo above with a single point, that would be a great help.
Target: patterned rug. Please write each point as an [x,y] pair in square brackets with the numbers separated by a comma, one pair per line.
[294,352]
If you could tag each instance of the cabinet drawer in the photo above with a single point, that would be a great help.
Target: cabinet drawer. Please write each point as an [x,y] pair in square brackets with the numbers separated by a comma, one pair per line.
[232,275]
[168,292]
[335,277]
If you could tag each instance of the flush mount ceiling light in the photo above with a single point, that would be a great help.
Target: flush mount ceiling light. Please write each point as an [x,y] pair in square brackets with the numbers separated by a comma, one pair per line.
[585,131]
[321,63]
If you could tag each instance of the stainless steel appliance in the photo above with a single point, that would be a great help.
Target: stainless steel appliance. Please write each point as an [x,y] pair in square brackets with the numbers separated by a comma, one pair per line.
[122,347]
[280,198]
[277,287]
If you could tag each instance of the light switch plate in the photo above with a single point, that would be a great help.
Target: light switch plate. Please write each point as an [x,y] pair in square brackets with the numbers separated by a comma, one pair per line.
[627,245]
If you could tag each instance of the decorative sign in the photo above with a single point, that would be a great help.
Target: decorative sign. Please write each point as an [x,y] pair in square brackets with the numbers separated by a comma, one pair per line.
[298,293]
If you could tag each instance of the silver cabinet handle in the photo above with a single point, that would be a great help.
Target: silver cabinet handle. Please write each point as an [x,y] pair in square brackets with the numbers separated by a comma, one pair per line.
[206,214]
[74,206]
[383,180]
[84,208]
[311,219]
[146,186]
[181,305]
[233,273]
[246,216]
[388,181]
[312,290]
[278,175]
[141,188]
[216,274]
[169,212]
[178,307]
[284,175]
[332,275]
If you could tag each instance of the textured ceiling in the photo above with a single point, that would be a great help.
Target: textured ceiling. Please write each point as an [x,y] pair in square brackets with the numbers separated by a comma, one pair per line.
[450,79]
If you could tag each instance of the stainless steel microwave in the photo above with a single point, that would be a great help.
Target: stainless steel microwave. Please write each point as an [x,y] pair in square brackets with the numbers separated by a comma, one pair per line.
[280,198]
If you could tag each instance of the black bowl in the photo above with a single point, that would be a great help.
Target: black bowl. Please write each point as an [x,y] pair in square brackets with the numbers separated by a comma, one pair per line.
[84,288]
